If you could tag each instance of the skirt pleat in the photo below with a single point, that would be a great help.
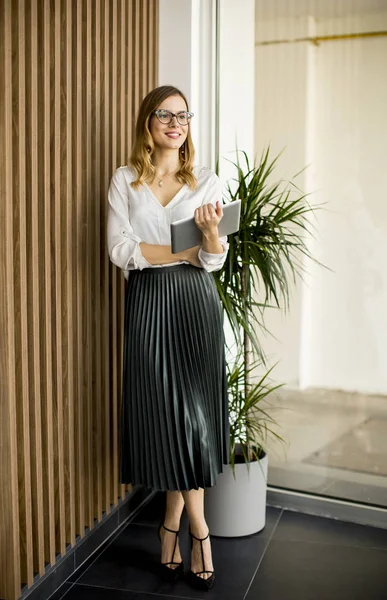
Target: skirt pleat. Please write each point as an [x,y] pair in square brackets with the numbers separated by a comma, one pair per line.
[174,413]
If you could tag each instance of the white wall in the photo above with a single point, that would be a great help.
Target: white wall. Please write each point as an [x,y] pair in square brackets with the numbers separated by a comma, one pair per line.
[236,81]
[327,104]
[187,60]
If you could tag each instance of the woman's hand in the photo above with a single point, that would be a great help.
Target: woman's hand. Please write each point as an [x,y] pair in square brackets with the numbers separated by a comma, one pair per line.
[207,218]
[192,256]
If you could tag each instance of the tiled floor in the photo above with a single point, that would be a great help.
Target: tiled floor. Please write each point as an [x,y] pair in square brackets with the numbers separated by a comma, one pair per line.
[296,557]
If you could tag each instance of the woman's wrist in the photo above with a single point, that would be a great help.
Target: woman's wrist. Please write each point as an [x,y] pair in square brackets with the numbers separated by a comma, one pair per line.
[183,255]
[187,254]
[212,235]
[211,242]
[180,255]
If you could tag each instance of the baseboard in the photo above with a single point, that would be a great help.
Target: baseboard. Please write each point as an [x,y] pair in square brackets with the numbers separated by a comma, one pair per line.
[332,508]
[46,585]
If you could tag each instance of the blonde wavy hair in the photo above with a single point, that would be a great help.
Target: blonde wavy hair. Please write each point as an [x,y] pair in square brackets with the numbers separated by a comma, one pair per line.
[143,146]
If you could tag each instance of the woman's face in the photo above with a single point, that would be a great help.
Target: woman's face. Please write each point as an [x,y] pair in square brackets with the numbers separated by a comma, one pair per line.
[173,135]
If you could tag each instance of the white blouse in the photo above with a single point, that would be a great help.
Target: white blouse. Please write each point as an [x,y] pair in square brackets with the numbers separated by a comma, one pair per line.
[136,216]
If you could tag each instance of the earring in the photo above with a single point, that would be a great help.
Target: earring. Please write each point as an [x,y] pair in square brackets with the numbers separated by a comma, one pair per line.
[148,149]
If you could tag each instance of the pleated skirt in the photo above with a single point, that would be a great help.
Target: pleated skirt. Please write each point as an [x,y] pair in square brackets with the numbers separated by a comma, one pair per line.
[174,411]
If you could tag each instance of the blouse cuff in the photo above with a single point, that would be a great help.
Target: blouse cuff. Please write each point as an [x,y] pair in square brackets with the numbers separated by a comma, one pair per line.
[213,262]
[140,262]
[136,260]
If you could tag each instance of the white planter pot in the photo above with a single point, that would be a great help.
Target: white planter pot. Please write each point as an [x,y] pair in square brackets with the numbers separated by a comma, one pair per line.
[237,507]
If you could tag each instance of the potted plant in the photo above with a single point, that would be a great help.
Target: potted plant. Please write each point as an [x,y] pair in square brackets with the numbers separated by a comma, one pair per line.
[268,243]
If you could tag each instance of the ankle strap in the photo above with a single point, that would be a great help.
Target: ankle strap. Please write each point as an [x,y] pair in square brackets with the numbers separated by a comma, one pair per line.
[171,530]
[199,539]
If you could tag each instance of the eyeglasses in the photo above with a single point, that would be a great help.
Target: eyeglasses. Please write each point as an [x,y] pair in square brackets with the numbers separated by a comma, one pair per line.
[165,116]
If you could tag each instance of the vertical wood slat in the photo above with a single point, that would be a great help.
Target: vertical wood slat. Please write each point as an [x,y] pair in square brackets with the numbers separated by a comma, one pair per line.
[155,38]
[9,517]
[143,53]
[20,273]
[136,56]
[36,261]
[96,272]
[86,35]
[56,138]
[82,262]
[70,239]
[106,172]
[72,76]
[48,310]
[61,275]
[151,44]
[78,322]
[22,90]
[128,82]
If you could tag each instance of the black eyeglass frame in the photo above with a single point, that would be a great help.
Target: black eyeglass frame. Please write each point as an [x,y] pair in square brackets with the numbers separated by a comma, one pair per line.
[186,112]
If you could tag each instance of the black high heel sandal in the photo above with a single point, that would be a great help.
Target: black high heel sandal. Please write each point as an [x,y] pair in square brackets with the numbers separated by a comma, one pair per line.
[193,578]
[167,573]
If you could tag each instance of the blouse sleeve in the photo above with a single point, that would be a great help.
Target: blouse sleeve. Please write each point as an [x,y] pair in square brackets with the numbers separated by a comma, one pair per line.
[214,262]
[123,244]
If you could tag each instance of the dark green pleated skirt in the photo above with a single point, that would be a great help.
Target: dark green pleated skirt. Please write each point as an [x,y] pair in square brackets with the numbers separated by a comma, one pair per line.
[174,417]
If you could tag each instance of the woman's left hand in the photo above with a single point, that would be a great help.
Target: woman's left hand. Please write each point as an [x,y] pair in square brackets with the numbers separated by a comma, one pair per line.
[207,218]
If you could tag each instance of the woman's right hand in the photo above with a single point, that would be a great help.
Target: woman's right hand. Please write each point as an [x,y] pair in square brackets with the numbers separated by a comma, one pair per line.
[192,256]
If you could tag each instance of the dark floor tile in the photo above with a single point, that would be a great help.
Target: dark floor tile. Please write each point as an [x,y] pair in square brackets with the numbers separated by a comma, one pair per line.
[138,498]
[94,593]
[309,528]
[293,570]
[273,515]
[152,513]
[61,592]
[236,560]
[131,562]
[82,567]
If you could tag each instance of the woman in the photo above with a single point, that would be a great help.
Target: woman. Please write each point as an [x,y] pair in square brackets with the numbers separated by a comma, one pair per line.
[174,427]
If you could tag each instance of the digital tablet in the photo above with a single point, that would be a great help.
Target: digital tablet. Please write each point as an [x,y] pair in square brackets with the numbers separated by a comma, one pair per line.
[185,234]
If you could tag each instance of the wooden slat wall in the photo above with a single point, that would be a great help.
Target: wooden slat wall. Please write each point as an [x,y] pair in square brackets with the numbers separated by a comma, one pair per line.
[72,76]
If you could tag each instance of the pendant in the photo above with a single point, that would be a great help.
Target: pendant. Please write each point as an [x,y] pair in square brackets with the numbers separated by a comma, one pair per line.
[160,183]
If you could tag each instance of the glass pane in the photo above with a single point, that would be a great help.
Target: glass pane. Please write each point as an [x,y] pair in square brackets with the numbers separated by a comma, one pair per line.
[321,95]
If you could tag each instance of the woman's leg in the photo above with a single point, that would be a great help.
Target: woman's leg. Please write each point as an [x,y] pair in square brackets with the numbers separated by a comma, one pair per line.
[174,509]
[194,503]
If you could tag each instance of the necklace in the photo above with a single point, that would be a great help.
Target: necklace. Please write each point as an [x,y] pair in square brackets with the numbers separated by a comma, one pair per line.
[160,180]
